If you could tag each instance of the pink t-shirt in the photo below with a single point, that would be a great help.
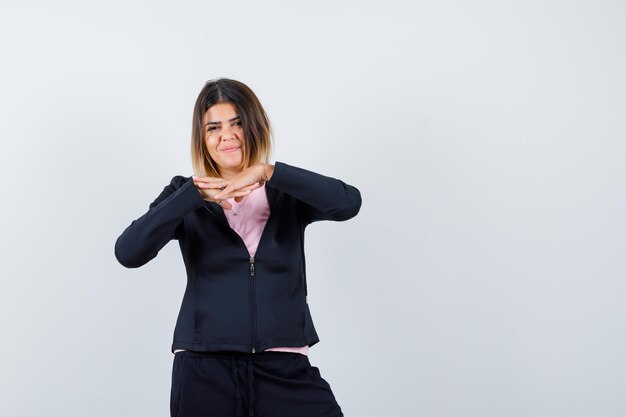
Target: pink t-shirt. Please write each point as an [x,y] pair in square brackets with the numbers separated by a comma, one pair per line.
[248,218]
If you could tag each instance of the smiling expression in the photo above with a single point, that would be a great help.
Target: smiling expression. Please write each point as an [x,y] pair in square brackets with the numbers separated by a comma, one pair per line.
[224,138]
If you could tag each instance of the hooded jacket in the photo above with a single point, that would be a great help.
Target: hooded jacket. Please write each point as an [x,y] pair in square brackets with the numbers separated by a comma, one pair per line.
[234,301]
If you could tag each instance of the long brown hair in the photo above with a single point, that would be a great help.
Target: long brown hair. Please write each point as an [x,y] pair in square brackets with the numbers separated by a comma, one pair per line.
[255,124]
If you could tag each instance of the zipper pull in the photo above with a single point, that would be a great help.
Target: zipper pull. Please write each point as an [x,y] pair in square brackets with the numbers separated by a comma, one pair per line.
[252,265]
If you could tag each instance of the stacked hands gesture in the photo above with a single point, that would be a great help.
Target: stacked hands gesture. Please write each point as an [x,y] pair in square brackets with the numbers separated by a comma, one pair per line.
[218,190]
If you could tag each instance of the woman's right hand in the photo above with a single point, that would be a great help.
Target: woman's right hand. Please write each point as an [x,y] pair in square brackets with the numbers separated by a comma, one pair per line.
[210,186]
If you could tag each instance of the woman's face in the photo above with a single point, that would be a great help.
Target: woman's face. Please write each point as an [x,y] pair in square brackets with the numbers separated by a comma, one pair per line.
[223,137]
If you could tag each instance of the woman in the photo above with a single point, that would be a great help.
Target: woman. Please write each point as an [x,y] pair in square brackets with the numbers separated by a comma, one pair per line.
[244,328]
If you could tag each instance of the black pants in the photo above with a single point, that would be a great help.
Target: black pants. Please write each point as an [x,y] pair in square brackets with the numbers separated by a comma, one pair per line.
[237,384]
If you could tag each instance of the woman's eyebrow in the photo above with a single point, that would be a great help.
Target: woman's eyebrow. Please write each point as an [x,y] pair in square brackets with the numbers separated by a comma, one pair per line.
[217,123]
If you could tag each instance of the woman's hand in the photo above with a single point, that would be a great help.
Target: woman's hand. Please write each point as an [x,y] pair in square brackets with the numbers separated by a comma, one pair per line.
[248,179]
[209,187]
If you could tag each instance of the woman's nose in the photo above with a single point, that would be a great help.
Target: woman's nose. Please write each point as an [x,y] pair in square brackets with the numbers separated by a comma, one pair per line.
[227,131]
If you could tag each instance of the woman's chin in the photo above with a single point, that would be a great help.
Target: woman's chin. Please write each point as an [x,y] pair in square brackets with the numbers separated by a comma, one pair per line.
[231,165]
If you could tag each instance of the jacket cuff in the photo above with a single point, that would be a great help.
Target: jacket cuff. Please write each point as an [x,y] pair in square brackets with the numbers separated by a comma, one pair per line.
[188,196]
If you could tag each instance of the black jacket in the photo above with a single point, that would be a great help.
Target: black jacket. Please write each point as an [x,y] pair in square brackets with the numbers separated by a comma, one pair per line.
[233,301]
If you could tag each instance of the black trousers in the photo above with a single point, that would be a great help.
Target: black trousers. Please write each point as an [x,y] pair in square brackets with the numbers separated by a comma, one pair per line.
[237,384]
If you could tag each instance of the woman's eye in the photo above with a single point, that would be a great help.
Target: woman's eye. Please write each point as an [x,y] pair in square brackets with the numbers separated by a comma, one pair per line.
[211,128]
[237,123]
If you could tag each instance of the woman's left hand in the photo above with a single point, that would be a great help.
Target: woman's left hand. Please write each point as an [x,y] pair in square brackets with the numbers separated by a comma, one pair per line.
[245,178]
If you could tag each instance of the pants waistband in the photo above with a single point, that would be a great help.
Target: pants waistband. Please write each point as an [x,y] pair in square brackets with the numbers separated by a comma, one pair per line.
[227,354]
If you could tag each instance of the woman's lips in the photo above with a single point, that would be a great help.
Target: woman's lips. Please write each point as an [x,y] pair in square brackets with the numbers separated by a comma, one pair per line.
[230,149]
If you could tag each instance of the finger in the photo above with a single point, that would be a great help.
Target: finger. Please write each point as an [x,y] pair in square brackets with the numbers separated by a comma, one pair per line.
[227,191]
[221,195]
[242,192]
[226,205]
[210,185]
[248,190]
[233,194]
[206,178]
[217,183]
[211,180]
[251,186]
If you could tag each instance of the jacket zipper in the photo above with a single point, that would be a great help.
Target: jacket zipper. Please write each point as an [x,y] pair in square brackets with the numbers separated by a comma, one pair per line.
[253,321]
[263,232]
[252,335]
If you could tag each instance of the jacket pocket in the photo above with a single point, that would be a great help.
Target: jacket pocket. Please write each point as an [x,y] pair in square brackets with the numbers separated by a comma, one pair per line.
[304,303]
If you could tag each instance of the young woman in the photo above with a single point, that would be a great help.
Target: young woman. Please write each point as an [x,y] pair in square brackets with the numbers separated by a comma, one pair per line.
[244,328]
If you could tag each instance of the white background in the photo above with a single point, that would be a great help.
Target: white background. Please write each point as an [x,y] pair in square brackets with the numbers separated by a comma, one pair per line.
[484,275]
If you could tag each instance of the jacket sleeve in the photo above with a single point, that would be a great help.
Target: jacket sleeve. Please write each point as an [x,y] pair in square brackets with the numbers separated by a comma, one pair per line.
[320,197]
[142,240]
